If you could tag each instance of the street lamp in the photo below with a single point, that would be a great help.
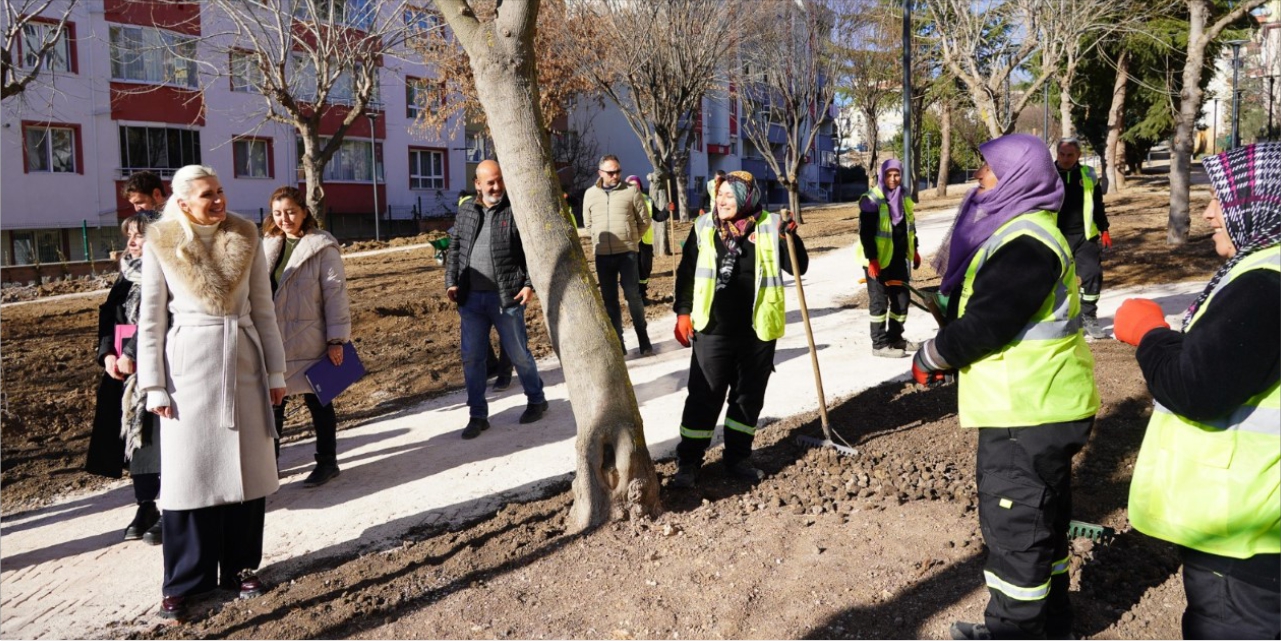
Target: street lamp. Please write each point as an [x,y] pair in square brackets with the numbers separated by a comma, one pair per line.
[1272,94]
[1236,95]
[373,166]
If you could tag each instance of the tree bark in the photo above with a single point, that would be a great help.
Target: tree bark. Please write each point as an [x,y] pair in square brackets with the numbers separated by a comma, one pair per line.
[614,475]
[873,144]
[312,172]
[681,165]
[945,149]
[1113,157]
[1065,108]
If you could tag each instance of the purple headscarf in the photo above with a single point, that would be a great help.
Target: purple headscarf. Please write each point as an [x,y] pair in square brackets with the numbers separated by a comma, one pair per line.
[1027,182]
[894,196]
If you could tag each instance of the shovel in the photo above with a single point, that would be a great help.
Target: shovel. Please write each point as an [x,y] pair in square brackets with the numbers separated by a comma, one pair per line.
[828,434]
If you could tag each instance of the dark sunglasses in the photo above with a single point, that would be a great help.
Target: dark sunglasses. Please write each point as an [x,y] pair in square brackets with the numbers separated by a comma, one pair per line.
[611,173]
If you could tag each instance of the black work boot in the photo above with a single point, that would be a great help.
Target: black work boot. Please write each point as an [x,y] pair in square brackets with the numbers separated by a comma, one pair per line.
[474,427]
[963,630]
[686,476]
[745,470]
[144,519]
[326,470]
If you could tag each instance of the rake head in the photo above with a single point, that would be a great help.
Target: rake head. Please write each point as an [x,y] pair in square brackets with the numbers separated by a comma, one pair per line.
[1096,533]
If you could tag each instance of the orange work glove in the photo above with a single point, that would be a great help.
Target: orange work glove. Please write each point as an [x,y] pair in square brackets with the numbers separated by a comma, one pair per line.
[874,269]
[684,329]
[916,261]
[1106,240]
[1137,317]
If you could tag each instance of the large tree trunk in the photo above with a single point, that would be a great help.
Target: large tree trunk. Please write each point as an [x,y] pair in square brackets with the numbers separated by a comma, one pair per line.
[658,195]
[945,150]
[794,200]
[614,473]
[681,178]
[1189,107]
[873,129]
[1113,157]
[1065,107]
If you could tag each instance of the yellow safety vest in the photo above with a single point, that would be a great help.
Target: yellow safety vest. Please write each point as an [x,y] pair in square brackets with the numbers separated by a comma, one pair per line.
[1087,201]
[1046,375]
[1214,486]
[648,237]
[885,231]
[769,317]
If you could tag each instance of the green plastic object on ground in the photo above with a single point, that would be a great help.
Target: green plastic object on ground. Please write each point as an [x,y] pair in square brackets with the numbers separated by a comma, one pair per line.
[441,244]
[1096,533]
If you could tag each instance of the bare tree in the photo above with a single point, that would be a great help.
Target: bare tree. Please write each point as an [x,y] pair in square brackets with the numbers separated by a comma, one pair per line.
[576,154]
[1201,33]
[657,61]
[872,78]
[615,476]
[31,41]
[1114,154]
[786,84]
[308,59]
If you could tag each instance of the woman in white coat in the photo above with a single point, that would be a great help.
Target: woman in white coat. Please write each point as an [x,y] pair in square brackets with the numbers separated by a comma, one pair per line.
[310,290]
[211,363]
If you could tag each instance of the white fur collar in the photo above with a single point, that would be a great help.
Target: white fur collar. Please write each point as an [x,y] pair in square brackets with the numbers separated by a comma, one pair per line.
[212,273]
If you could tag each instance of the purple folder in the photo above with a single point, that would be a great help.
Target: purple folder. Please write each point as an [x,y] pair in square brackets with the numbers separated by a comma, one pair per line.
[329,380]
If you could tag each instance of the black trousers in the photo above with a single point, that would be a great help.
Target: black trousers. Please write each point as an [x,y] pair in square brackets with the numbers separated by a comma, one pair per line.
[888,308]
[146,487]
[1224,604]
[325,421]
[623,269]
[200,543]
[1025,507]
[740,365]
[1088,256]
[644,266]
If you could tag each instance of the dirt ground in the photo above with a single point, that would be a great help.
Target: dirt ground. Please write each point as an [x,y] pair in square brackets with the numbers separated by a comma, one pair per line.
[883,545]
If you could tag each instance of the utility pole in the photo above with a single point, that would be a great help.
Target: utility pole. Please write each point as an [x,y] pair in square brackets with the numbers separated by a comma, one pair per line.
[909,176]
[373,167]
[1236,93]
[1046,115]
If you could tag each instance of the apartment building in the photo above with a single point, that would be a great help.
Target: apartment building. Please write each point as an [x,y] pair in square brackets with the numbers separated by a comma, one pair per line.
[135,85]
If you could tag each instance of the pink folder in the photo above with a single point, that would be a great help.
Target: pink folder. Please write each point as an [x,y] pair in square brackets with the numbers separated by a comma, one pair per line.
[124,332]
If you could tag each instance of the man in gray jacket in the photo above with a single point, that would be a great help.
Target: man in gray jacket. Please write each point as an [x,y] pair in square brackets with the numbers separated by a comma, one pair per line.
[616,218]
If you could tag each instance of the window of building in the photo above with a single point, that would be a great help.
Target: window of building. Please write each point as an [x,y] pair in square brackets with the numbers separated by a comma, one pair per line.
[159,149]
[59,57]
[352,13]
[426,169]
[341,91]
[50,148]
[146,54]
[31,247]
[416,96]
[420,20]
[351,163]
[252,157]
[245,74]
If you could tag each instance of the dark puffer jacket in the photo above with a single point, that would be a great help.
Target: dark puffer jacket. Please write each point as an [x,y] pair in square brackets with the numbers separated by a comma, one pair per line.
[512,275]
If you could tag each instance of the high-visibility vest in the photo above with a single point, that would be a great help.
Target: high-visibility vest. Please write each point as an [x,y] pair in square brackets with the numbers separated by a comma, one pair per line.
[885,230]
[1215,485]
[648,237]
[1046,374]
[1087,201]
[768,313]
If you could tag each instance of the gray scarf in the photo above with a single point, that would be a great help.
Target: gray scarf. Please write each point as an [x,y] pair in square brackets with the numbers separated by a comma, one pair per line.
[134,403]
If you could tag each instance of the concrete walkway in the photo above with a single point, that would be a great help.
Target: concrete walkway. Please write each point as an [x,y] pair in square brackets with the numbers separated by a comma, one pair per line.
[64,573]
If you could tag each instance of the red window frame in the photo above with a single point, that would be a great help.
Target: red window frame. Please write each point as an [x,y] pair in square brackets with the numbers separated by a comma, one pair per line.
[271,156]
[69,33]
[77,142]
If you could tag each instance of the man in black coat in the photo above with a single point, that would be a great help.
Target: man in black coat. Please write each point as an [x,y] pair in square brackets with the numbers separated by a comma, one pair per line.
[486,275]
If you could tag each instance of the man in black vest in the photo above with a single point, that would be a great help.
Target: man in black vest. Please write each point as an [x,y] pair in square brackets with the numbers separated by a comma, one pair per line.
[485,273]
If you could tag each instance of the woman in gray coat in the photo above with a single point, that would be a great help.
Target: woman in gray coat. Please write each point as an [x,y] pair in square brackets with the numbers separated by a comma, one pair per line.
[211,374]
[310,290]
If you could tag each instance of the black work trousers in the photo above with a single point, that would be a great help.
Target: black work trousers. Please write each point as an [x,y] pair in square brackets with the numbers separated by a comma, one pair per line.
[325,421]
[1025,507]
[199,543]
[644,266]
[1223,605]
[740,365]
[1088,256]
[887,305]
[613,270]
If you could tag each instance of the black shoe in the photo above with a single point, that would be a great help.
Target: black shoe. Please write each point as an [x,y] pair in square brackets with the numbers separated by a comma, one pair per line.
[475,426]
[533,412]
[143,520]
[503,382]
[962,630]
[245,584]
[686,476]
[153,535]
[743,469]
[907,346]
[173,608]
[1092,329]
[324,473]
[647,350]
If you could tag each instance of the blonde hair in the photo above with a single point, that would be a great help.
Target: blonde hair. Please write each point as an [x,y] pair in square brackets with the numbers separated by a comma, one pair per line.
[181,187]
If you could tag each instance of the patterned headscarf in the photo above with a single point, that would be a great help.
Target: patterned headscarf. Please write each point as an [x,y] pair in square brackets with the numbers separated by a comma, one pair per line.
[1247,182]
[750,203]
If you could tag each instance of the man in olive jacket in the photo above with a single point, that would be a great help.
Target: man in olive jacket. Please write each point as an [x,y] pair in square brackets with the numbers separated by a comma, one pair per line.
[616,218]
[485,273]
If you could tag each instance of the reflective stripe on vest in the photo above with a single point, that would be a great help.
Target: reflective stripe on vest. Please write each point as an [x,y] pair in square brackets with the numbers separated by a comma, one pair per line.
[1015,592]
[1046,374]
[648,237]
[1087,202]
[885,230]
[769,316]
[1214,485]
